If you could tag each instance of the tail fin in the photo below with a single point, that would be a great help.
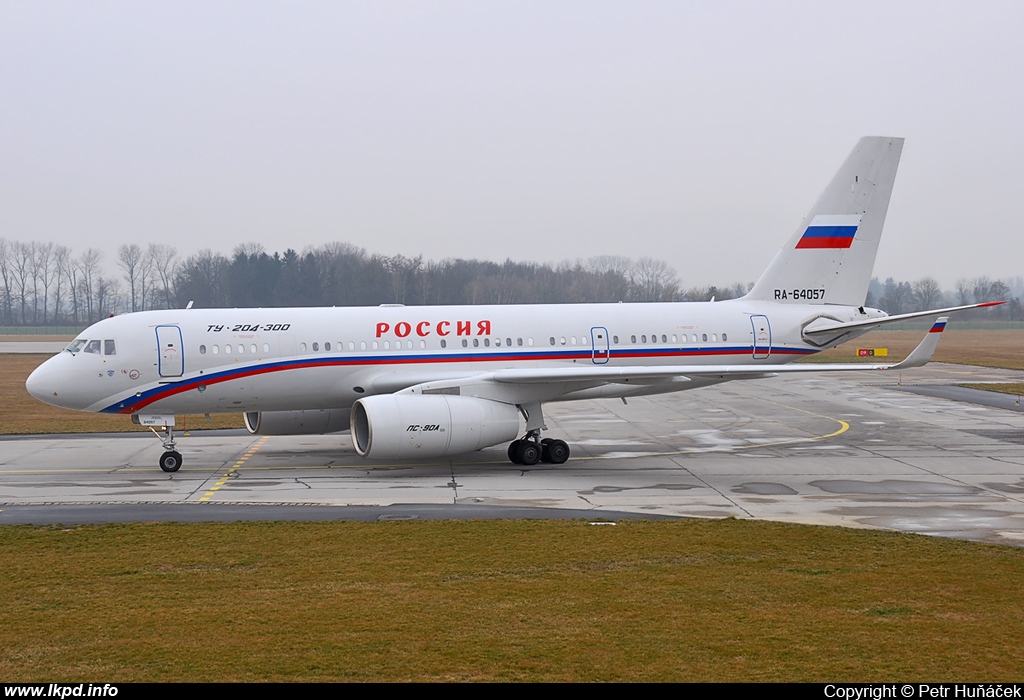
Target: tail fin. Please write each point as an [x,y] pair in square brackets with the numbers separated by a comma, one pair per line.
[830,257]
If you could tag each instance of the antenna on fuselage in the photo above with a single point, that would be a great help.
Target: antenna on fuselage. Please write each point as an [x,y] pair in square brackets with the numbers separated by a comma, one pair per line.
[189,304]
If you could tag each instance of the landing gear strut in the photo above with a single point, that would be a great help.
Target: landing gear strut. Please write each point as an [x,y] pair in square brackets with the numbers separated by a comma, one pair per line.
[170,461]
[531,449]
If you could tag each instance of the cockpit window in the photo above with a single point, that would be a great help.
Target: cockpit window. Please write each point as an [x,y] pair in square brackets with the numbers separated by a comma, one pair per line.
[93,347]
[76,345]
[109,348]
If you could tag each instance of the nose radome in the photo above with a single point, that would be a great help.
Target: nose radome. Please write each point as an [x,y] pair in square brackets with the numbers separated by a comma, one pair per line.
[39,385]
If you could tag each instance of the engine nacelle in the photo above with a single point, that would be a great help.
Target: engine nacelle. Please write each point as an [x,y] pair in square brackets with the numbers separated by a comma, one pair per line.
[396,427]
[316,422]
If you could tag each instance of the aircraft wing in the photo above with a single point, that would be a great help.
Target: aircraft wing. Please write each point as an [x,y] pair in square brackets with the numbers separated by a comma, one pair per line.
[546,383]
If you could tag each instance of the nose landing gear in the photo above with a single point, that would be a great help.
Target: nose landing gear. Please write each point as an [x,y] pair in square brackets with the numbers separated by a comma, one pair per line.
[170,460]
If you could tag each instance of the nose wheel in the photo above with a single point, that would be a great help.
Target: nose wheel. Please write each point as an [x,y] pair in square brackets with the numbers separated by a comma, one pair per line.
[170,461]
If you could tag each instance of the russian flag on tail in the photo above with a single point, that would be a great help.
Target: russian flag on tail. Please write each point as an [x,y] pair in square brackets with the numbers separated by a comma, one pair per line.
[830,231]
[938,326]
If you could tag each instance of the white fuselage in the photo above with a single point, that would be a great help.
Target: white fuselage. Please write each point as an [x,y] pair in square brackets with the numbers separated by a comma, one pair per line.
[235,360]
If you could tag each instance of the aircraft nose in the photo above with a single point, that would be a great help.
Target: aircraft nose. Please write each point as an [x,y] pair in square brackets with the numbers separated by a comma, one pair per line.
[40,384]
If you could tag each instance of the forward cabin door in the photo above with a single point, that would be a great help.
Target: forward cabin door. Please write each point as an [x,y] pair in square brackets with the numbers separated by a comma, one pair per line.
[170,353]
[599,350]
[762,336]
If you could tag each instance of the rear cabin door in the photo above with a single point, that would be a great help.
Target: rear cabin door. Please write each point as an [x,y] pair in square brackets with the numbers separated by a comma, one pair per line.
[600,353]
[170,353]
[762,336]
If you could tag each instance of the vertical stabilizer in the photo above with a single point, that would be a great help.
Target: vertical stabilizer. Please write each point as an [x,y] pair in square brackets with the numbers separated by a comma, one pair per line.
[830,258]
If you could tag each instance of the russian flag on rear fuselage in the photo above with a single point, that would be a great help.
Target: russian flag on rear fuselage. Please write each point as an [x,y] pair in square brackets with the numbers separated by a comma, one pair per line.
[830,231]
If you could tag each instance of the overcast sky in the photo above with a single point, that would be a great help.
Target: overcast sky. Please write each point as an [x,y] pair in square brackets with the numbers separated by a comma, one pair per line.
[695,132]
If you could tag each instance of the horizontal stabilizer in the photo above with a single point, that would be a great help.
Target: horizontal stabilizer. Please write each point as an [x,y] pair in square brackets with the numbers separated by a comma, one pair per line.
[833,328]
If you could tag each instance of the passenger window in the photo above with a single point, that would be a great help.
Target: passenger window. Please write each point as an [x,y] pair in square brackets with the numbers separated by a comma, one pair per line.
[724,337]
[487,342]
[552,340]
[202,349]
[362,344]
[643,339]
[476,342]
[423,344]
[704,337]
[253,349]
[316,346]
[714,337]
[302,348]
[327,347]
[444,343]
[675,338]
[664,339]
[376,345]
[216,349]
[563,340]
[351,345]
[387,345]
[519,342]
[632,339]
[93,347]
[108,347]
[241,349]
[266,347]
[508,342]
[497,342]
[615,339]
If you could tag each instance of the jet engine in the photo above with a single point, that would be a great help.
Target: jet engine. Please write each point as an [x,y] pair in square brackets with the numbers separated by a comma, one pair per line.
[391,426]
[315,422]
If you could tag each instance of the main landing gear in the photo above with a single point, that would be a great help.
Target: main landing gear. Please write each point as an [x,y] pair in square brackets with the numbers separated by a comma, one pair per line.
[531,449]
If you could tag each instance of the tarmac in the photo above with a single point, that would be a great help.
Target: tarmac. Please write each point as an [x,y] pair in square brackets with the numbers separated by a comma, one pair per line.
[909,452]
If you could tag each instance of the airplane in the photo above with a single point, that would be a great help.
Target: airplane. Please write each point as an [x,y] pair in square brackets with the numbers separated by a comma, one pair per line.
[431,381]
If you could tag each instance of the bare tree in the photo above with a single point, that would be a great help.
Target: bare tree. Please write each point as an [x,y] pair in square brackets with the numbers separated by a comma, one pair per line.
[927,293]
[22,264]
[89,267]
[964,292]
[6,275]
[44,273]
[653,280]
[165,265]
[129,259]
[60,261]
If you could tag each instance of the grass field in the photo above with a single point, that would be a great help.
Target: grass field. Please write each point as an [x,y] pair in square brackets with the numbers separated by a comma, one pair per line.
[505,600]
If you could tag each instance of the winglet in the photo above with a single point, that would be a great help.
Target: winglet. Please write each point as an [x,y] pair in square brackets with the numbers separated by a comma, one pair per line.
[922,354]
